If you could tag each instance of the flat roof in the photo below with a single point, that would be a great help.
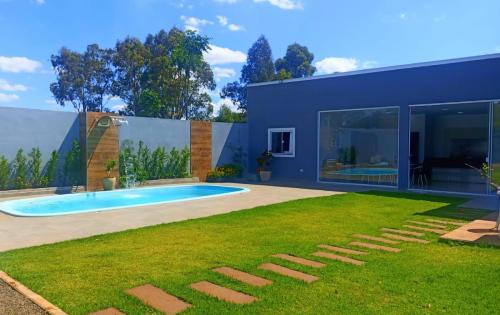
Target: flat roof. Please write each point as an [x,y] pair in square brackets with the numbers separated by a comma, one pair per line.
[382,69]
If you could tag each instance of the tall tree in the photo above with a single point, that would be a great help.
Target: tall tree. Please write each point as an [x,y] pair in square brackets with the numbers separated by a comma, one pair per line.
[84,80]
[226,114]
[258,68]
[129,60]
[297,62]
[179,74]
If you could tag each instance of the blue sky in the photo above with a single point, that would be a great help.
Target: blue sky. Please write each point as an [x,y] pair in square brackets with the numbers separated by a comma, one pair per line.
[343,35]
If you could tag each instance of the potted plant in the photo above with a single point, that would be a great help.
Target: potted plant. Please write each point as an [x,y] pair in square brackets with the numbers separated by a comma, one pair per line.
[109,182]
[264,160]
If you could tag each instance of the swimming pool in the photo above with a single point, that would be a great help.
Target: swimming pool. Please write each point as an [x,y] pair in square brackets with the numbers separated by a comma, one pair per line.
[107,200]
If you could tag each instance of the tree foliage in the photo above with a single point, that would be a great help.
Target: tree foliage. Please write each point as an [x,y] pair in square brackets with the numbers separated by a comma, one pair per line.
[83,80]
[258,68]
[225,114]
[166,76]
[297,62]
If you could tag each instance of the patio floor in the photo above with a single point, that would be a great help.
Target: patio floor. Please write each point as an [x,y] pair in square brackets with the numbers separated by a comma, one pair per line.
[478,231]
[19,232]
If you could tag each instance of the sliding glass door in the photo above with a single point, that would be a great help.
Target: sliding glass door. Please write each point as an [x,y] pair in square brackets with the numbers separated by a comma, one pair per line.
[359,146]
[448,144]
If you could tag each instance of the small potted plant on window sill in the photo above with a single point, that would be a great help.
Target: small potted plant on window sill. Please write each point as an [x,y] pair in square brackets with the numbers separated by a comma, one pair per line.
[264,161]
[109,182]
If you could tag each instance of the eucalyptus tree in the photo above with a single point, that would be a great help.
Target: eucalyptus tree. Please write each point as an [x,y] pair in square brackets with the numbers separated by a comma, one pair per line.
[83,80]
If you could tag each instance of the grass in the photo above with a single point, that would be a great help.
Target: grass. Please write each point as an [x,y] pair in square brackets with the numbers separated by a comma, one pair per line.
[440,278]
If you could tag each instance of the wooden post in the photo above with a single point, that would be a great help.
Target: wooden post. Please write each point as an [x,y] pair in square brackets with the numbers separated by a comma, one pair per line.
[201,149]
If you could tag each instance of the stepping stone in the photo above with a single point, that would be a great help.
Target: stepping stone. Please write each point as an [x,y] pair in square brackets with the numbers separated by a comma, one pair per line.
[108,311]
[375,246]
[159,299]
[300,261]
[446,222]
[288,272]
[432,225]
[342,250]
[405,239]
[376,239]
[339,258]
[403,232]
[420,228]
[223,293]
[243,276]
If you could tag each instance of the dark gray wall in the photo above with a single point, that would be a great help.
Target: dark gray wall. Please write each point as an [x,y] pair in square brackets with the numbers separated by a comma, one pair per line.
[226,139]
[296,104]
[156,132]
[28,128]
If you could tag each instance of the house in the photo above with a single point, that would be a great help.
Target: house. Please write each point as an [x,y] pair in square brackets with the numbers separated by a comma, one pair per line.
[420,127]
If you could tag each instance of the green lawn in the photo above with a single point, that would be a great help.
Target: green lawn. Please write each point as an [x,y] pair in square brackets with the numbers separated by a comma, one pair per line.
[439,278]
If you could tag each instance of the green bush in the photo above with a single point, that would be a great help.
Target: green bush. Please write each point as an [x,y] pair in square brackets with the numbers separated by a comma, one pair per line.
[50,171]
[73,165]
[35,167]
[4,173]
[20,179]
[227,170]
[159,164]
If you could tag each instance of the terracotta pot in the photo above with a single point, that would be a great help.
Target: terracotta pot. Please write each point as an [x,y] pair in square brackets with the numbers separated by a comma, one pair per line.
[109,183]
[265,175]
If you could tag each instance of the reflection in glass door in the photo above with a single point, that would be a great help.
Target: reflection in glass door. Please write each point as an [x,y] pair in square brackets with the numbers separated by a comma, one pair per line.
[448,143]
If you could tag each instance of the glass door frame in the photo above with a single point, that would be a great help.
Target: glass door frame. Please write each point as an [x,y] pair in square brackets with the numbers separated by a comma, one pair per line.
[490,145]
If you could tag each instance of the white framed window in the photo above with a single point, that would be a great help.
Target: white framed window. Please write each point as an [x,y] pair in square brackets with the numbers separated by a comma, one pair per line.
[281,142]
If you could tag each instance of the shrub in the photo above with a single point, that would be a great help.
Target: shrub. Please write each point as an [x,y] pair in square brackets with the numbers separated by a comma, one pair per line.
[127,163]
[50,171]
[143,160]
[73,165]
[20,179]
[158,160]
[4,173]
[227,170]
[177,163]
[35,167]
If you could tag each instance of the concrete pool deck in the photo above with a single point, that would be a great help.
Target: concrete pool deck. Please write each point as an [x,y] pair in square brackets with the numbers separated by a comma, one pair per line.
[19,232]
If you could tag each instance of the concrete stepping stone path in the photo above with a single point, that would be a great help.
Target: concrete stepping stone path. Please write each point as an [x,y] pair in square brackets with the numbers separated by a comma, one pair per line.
[432,225]
[159,299]
[421,228]
[223,293]
[376,239]
[402,232]
[405,238]
[342,250]
[300,261]
[243,276]
[339,258]
[288,272]
[108,311]
[376,247]
[445,222]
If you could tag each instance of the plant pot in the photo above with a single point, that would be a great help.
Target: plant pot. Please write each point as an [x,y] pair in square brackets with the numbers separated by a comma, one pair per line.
[265,176]
[109,183]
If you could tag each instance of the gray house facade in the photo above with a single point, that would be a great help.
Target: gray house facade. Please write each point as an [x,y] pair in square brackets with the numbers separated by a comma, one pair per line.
[415,127]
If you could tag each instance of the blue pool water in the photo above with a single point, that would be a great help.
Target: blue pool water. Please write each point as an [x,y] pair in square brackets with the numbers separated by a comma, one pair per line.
[364,171]
[106,200]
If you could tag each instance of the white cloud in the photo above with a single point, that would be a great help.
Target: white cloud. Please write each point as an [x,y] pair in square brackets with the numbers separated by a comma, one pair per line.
[339,64]
[223,101]
[6,98]
[402,16]
[50,101]
[222,20]
[227,1]
[235,27]
[6,86]
[221,55]
[40,2]
[18,64]
[497,49]
[283,4]
[193,23]
[118,107]
[220,73]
